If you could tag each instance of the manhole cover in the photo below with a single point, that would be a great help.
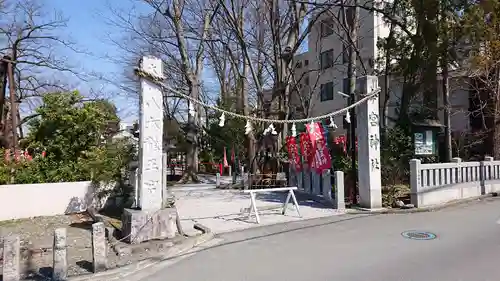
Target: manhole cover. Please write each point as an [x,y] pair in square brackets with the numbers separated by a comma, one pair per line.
[419,235]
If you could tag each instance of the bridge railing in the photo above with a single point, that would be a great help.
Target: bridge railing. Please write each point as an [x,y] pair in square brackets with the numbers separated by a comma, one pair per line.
[438,183]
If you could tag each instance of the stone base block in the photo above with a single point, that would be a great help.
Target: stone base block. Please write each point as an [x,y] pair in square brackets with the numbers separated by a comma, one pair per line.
[139,226]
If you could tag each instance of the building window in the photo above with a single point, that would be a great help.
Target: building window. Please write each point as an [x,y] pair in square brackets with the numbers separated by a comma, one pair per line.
[306,80]
[326,27]
[327,91]
[306,62]
[326,59]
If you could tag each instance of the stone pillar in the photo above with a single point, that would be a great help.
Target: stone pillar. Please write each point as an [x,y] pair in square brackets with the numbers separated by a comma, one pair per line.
[300,180]
[60,258]
[339,201]
[150,137]
[415,182]
[485,174]
[307,181]
[368,129]
[99,250]
[244,180]
[217,180]
[458,160]
[316,178]
[11,258]
[136,187]
[292,176]
[164,192]
[327,185]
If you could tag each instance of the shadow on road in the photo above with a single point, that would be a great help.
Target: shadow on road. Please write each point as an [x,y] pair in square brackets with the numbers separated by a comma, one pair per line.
[272,230]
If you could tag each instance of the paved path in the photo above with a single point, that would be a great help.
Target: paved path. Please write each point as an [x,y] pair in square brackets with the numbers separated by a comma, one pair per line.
[220,210]
[352,248]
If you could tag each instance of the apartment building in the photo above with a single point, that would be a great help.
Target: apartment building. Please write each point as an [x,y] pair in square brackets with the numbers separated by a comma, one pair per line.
[321,72]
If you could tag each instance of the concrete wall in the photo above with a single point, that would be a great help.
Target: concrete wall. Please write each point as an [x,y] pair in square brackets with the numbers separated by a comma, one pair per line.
[433,184]
[19,201]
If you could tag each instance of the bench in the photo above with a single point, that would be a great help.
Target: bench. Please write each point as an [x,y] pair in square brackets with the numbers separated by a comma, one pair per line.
[253,206]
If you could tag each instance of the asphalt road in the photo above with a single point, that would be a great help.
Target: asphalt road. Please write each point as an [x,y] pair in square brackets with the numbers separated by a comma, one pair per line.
[352,248]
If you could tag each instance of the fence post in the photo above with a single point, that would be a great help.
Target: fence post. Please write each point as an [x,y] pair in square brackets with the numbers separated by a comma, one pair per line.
[307,181]
[99,247]
[11,258]
[339,202]
[458,160]
[292,176]
[327,185]
[415,181]
[60,258]
[300,180]
[217,180]
[485,171]
[315,182]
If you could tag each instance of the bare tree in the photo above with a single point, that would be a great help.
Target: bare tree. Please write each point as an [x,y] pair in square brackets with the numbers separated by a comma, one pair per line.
[32,45]
[176,31]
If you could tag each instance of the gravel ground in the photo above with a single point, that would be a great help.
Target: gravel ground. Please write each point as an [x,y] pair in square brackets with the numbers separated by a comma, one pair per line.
[37,238]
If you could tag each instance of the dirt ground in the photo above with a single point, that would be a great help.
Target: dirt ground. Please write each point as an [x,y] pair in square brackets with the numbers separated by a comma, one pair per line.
[37,236]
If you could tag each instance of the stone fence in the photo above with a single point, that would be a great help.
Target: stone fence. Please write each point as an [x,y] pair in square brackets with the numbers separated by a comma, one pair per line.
[12,258]
[438,183]
[320,185]
[18,201]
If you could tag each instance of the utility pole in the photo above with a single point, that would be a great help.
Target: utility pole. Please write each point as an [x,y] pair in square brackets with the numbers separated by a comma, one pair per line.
[351,76]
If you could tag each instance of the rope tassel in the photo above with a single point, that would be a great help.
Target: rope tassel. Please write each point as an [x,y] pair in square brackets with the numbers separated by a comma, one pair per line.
[271,130]
[294,130]
[192,112]
[332,123]
[248,127]
[222,119]
[348,117]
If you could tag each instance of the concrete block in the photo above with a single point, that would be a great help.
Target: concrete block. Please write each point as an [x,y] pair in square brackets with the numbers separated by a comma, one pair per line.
[339,201]
[99,251]
[60,258]
[139,226]
[11,258]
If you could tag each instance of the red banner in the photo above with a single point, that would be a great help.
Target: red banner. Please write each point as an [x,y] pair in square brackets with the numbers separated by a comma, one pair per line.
[307,149]
[225,159]
[321,153]
[293,153]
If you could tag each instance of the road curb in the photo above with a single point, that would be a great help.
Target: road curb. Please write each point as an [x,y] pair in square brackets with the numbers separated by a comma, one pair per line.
[128,270]
[486,197]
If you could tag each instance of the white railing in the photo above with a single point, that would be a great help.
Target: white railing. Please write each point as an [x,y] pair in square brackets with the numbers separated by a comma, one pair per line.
[439,183]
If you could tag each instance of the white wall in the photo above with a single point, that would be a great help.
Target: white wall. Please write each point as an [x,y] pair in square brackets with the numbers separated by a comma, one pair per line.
[19,201]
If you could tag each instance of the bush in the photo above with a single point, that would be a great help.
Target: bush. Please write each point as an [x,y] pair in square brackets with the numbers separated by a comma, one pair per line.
[76,139]
[100,164]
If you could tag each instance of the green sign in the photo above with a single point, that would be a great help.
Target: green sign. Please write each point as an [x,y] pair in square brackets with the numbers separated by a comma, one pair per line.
[425,143]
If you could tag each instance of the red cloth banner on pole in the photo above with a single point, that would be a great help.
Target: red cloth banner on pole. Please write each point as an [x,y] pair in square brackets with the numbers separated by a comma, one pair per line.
[321,154]
[306,146]
[293,153]
[225,159]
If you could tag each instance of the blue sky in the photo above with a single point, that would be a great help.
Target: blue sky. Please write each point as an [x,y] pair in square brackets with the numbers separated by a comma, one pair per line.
[87,27]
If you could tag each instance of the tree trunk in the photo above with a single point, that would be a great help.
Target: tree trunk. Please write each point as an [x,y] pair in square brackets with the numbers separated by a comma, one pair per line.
[190,175]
